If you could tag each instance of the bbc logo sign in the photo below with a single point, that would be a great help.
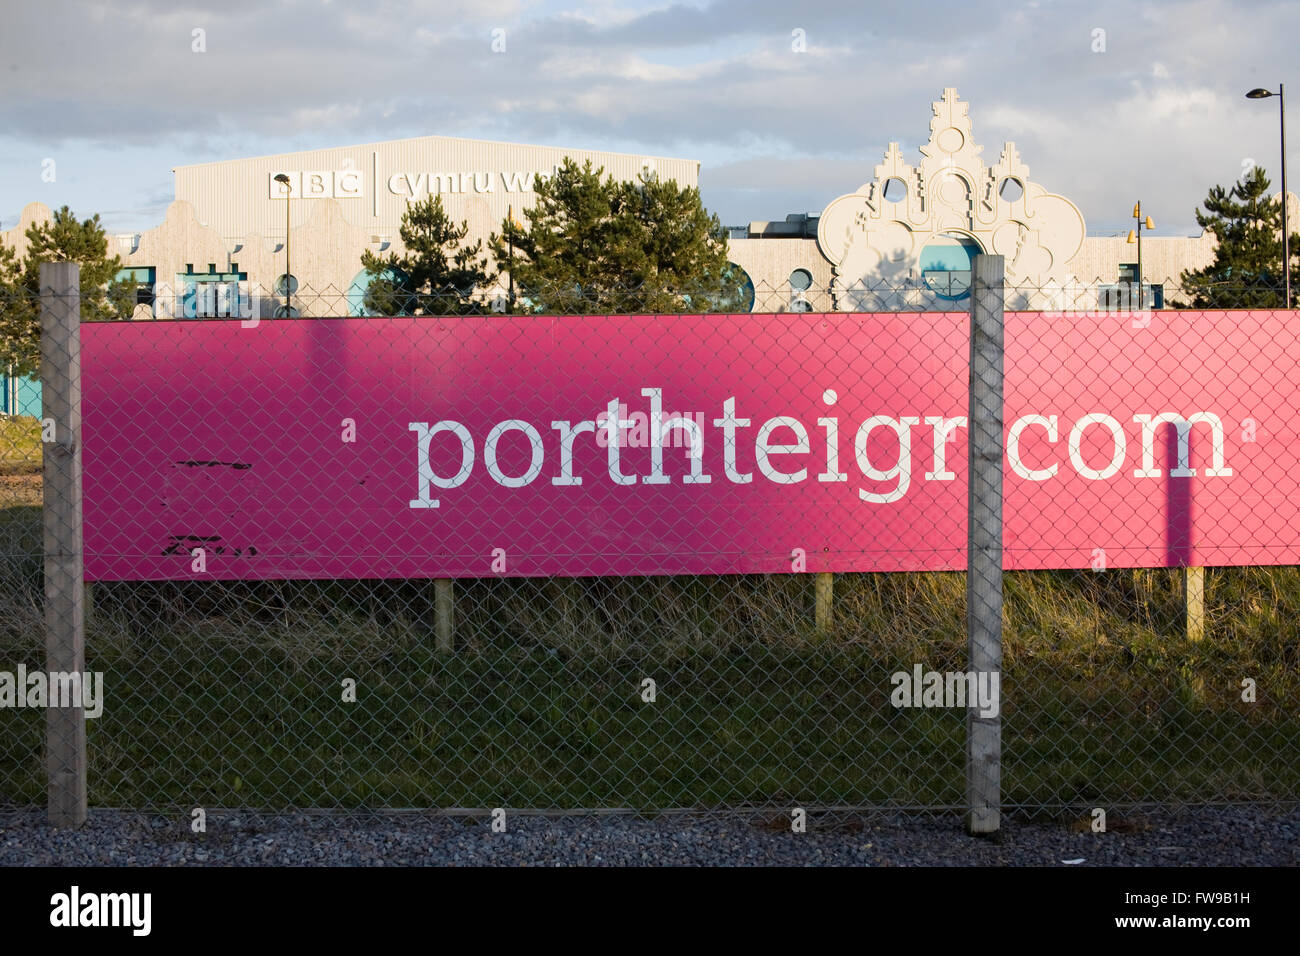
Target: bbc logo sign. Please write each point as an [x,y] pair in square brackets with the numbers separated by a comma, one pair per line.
[321,184]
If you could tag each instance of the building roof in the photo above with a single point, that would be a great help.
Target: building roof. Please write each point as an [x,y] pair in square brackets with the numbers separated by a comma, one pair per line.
[433,140]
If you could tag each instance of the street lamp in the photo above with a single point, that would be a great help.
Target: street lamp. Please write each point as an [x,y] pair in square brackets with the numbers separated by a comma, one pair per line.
[514,224]
[1262,94]
[1135,235]
[288,274]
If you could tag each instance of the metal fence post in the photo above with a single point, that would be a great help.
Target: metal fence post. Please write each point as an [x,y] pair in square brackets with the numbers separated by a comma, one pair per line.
[984,542]
[65,634]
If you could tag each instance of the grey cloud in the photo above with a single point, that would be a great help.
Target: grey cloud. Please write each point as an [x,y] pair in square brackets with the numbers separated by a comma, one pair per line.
[284,76]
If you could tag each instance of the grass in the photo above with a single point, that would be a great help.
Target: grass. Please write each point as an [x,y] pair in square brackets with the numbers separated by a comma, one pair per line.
[20,445]
[231,695]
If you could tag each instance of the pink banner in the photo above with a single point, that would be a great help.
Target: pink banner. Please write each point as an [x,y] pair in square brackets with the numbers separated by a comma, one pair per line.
[717,444]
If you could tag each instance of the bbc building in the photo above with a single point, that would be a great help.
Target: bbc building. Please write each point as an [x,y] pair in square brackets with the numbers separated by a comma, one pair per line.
[902,240]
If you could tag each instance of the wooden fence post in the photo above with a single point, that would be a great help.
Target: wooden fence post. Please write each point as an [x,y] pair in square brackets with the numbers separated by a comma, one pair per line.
[825,609]
[444,612]
[65,633]
[1194,602]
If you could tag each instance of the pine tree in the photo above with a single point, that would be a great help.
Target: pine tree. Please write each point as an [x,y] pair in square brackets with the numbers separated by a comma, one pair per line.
[685,250]
[565,261]
[62,239]
[20,326]
[437,275]
[1247,268]
[595,245]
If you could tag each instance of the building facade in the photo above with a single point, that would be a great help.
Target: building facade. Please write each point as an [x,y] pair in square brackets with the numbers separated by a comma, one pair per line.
[220,249]
[902,240]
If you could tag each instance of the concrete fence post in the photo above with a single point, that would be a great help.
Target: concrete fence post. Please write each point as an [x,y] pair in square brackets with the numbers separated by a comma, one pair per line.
[65,632]
[984,542]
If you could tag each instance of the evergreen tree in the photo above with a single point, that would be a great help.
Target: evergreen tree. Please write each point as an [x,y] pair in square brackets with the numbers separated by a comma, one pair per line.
[595,245]
[1247,268]
[565,260]
[437,275]
[20,344]
[62,239]
[684,249]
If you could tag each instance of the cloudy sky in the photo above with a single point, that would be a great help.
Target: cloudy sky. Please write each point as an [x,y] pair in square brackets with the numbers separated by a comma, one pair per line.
[106,97]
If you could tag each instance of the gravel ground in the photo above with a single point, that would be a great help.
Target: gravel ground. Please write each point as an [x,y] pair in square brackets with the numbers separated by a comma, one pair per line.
[1235,836]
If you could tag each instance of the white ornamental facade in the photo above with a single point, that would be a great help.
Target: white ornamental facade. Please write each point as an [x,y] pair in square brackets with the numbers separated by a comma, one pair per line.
[915,228]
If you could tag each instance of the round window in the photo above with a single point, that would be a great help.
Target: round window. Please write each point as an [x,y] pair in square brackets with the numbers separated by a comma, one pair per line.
[800,280]
[734,294]
[383,293]
[946,265]
[1012,189]
[741,287]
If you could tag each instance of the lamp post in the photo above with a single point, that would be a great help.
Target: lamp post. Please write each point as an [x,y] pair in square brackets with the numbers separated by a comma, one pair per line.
[1262,94]
[288,274]
[510,262]
[1135,235]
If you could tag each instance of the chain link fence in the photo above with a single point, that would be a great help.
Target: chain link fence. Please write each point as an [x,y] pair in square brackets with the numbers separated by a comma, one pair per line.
[795,671]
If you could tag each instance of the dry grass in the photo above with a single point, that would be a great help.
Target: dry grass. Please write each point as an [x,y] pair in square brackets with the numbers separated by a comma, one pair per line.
[228,692]
[20,447]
